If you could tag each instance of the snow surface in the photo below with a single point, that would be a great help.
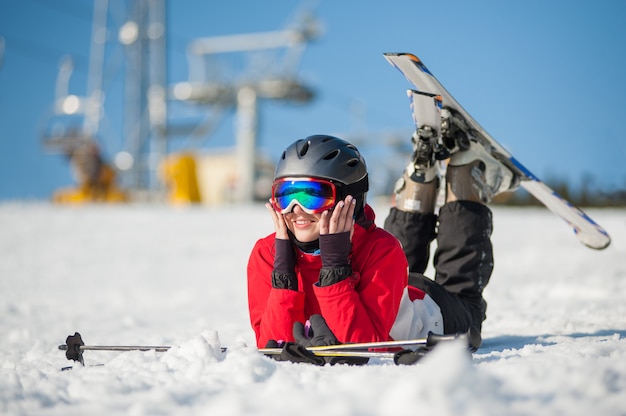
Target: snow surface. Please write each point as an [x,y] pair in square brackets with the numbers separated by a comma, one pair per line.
[554,340]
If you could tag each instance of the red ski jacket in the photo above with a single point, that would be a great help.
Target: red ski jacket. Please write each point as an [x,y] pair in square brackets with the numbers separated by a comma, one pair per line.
[361,308]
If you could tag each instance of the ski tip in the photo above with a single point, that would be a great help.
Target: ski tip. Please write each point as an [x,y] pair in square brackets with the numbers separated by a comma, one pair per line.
[391,58]
[390,55]
[598,241]
[589,232]
[408,55]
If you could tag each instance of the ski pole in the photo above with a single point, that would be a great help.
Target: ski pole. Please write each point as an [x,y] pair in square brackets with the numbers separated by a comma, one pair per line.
[334,353]
[161,348]
[74,346]
[472,336]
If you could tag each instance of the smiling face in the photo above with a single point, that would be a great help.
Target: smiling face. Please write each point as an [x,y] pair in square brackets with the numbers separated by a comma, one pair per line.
[305,227]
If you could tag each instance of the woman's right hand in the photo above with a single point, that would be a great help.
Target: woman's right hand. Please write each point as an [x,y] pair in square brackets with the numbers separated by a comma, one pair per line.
[280,226]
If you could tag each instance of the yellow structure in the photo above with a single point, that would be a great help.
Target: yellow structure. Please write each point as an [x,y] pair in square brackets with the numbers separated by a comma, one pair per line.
[95,179]
[210,178]
[188,177]
[178,173]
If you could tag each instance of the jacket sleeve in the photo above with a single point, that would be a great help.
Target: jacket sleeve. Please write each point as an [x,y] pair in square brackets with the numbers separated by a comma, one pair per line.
[272,311]
[363,307]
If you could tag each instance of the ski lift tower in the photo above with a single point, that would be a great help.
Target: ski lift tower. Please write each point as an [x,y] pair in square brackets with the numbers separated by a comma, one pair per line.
[127,35]
[270,61]
[145,125]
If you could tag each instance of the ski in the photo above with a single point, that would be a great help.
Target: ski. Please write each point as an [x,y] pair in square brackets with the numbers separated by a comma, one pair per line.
[460,125]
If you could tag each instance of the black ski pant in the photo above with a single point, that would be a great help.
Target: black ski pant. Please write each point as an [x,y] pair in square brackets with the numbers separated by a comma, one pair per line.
[463,258]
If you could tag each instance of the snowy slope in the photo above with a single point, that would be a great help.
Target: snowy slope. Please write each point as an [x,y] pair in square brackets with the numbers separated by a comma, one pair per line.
[554,340]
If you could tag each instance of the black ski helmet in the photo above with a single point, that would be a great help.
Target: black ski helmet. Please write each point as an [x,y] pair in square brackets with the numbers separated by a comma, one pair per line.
[327,157]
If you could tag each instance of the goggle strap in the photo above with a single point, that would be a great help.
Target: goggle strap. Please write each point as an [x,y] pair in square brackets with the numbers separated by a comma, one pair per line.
[357,188]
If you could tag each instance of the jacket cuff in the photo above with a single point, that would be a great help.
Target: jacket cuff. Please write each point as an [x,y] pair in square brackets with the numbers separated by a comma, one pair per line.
[284,280]
[332,275]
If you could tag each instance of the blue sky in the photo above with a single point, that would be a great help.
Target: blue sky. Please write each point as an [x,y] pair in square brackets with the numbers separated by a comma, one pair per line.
[545,78]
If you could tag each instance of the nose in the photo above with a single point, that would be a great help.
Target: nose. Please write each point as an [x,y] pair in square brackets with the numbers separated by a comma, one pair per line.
[297,209]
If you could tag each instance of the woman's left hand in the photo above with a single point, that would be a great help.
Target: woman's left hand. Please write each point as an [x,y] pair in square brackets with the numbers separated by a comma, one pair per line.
[341,219]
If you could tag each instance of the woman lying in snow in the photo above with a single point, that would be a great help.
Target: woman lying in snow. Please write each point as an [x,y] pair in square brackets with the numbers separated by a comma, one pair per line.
[329,275]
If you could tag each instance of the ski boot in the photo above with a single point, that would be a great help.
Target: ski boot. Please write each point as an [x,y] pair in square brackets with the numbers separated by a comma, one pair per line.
[416,190]
[475,175]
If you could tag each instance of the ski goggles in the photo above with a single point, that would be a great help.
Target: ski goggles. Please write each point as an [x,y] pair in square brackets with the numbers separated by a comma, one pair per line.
[312,194]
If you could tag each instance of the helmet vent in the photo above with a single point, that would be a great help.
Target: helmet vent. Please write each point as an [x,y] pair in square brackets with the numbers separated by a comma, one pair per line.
[331,155]
[353,162]
[304,149]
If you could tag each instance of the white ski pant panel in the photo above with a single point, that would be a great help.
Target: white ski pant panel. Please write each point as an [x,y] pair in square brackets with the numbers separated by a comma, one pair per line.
[415,319]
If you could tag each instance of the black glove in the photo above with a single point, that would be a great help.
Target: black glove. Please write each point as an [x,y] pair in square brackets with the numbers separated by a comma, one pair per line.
[294,353]
[318,334]
[409,357]
[315,334]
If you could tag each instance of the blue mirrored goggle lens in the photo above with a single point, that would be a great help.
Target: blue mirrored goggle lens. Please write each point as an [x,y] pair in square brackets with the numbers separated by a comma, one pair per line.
[314,196]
